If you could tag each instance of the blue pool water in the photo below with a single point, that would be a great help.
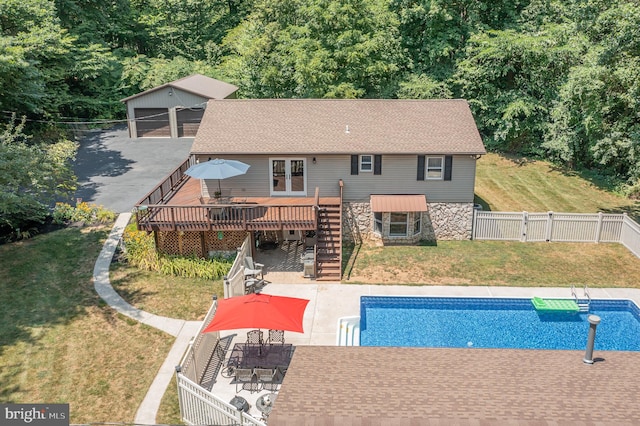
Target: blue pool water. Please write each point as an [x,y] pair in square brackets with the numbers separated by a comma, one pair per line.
[493,323]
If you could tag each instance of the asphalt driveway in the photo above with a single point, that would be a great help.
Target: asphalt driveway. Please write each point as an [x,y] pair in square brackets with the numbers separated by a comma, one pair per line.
[116,172]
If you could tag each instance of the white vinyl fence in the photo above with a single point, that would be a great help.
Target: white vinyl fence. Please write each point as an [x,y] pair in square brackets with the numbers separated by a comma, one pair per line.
[560,227]
[198,406]
[234,281]
[630,236]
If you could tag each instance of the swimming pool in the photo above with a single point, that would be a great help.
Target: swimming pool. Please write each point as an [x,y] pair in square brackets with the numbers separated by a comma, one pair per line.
[493,323]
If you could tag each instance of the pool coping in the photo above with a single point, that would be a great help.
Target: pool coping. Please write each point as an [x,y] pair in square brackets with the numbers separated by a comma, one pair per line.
[329,302]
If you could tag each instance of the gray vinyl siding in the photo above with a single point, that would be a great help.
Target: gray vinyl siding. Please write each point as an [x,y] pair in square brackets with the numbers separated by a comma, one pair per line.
[161,99]
[254,183]
[398,177]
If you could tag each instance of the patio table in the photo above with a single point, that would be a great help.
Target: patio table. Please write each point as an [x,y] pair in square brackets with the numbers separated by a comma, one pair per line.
[244,355]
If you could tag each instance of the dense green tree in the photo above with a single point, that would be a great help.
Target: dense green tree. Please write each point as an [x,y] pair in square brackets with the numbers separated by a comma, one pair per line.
[435,32]
[32,175]
[188,28]
[423,87]
[34,56]
[316,48]
[511,80]
[142,73]
[596,121]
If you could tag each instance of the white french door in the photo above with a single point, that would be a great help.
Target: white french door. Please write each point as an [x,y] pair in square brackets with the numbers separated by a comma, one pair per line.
[288,176]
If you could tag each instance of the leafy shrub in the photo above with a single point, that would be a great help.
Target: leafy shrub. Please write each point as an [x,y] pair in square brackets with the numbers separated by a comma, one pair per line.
[83,212]
[140,251]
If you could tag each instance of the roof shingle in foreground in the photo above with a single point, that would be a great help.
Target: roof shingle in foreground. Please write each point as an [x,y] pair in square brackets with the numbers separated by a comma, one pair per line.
[338,126]
[430,386]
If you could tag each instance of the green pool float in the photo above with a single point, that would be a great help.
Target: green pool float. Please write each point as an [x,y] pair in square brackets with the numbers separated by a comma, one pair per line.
[554,305]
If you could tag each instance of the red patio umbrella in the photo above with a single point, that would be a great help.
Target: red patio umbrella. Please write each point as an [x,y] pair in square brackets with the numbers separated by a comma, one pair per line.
[259,310]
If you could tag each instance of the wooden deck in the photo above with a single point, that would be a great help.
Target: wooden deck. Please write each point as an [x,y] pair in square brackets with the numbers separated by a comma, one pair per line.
[184,210]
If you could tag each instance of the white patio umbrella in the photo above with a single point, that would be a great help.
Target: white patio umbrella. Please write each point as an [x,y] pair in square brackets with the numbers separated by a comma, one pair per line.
[217,169]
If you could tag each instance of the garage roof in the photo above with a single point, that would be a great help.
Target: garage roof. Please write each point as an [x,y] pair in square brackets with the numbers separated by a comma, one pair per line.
[197,84]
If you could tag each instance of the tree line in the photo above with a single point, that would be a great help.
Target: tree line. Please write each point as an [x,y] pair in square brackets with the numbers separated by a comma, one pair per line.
[555,79]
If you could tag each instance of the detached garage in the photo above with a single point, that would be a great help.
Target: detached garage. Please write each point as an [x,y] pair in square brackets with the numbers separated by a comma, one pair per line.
[174,110]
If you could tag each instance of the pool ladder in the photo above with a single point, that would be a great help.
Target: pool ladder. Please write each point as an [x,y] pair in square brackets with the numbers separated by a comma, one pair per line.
[583,304]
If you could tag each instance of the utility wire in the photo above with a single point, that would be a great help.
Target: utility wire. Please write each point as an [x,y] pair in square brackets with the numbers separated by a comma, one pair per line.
[111,121]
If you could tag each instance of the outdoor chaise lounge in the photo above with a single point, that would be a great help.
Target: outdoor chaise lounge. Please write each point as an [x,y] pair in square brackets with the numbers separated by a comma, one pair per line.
[252,269]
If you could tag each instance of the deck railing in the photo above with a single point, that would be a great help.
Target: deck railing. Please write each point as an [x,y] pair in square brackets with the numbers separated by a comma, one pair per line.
[167,187]
[225,217]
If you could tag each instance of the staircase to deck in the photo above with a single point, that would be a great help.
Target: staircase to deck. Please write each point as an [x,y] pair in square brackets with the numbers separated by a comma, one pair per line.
[329,243]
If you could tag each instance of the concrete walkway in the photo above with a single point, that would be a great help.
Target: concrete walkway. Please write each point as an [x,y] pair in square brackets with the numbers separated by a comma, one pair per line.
[182,330]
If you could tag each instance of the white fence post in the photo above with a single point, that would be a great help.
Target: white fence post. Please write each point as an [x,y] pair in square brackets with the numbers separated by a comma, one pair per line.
[549,228]
[474,223]
[599,228]
[523,229]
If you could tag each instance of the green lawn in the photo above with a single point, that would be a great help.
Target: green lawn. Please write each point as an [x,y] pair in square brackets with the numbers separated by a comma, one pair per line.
[495,263]
[59,342]
[515,184]
[174,297]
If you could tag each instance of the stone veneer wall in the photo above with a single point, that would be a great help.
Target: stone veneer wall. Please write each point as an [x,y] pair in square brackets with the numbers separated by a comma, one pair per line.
[443,221]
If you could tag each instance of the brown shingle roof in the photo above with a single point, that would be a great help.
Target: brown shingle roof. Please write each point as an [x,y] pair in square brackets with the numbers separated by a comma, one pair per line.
[362,386]
[197,84]
[316,126]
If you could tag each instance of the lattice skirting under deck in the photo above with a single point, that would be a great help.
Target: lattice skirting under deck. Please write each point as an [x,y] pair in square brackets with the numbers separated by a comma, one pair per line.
[190,243]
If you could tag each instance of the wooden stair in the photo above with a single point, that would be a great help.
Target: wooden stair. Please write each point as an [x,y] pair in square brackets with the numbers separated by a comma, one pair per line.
[329,243]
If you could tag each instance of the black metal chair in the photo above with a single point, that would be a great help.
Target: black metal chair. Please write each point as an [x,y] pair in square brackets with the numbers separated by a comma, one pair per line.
[276,337]
[255,337]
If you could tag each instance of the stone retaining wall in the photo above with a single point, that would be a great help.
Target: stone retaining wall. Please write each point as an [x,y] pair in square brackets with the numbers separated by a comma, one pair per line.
[442,221]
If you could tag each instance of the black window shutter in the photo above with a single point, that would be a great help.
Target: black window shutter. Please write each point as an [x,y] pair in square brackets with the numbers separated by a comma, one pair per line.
[420,167]
[448,161]
[377,165]
[354,164]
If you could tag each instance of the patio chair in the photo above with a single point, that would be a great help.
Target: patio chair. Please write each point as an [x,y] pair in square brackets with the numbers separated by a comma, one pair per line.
[266,377]
[254,337]
[252,269]
[253,285]
[276,337]
[243,376]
